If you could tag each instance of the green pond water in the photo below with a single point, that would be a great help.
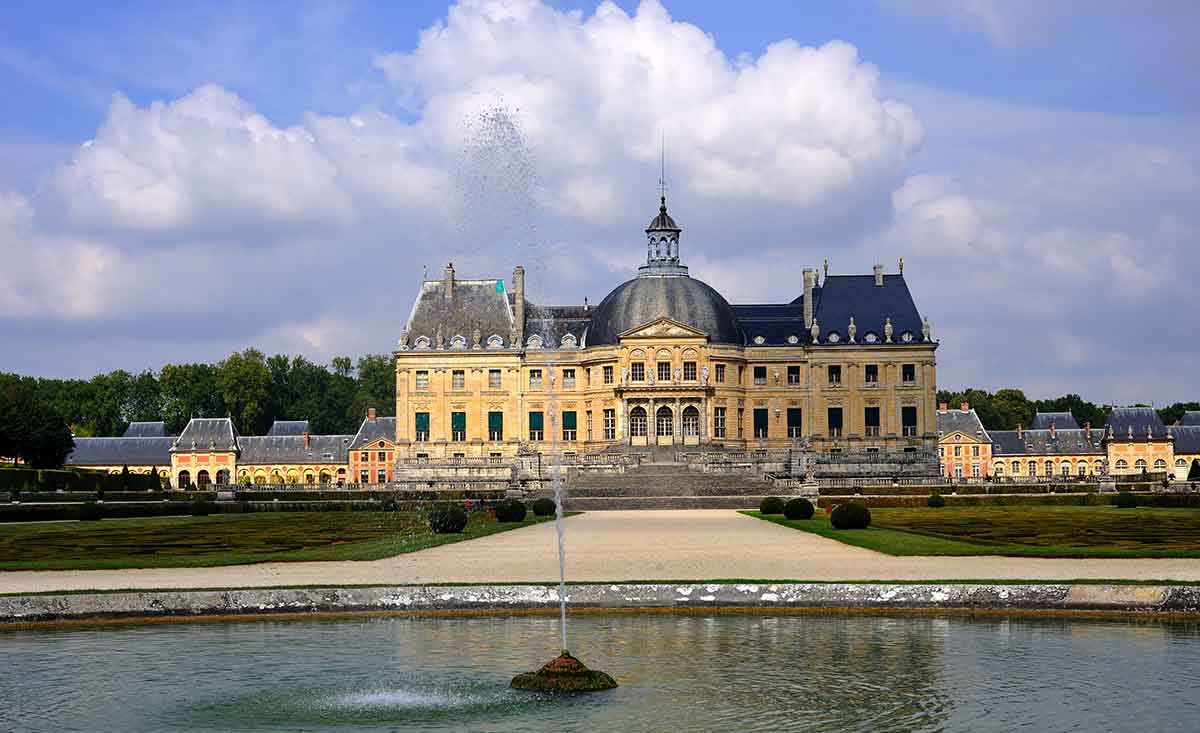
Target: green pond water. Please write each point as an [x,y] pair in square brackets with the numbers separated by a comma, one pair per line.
[680,673]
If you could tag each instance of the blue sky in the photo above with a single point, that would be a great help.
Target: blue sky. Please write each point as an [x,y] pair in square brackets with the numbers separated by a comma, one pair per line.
[167,165]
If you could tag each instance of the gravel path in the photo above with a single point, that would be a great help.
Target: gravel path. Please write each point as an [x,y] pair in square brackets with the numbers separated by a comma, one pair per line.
[633,545]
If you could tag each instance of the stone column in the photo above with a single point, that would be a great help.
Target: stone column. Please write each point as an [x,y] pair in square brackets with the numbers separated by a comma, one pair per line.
[677,425]
[651,424]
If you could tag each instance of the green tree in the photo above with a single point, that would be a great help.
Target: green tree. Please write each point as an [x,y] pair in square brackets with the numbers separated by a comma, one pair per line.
[245,386]
[145,399]
[189,390]
[376,386]
[1174,412]
[30,429]
[105,413]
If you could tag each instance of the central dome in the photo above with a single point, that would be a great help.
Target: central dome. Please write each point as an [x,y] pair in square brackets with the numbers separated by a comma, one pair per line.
[645,299]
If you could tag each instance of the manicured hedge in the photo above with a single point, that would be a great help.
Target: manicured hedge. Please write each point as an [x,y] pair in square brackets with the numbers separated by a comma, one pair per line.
[544,507]
[959,489]
[798,508]
[771,505]
[850,516]
[977,500]
[53,480]
[510,510]
[449,519]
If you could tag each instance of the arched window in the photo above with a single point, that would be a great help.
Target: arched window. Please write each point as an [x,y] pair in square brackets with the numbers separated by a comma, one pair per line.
[664,422]
[1140,464]
[637,422]
[1082,468]
[1033,468]
[1160,465]
[1016,468]
[202,479]
[1180,463]
[691,421]
[185,479]
[222,477]
[260,479]
[1065,468]
[325,477]
[1121,464]
[1049,468]
[999,469]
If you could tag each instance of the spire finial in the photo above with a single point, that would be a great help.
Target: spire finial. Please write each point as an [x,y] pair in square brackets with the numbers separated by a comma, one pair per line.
[662,173]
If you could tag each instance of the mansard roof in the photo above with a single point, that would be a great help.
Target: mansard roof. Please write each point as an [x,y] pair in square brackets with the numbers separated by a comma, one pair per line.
[381,428]
[1060,421]
[153,451]
[1071,441]
[268,449]
[289,427]
[1143,422]
[553,322]
[1191,417]
[205,433]
[481,304]
[776,324]
[1187,439]
[840,297]
[147,429]
[958,421]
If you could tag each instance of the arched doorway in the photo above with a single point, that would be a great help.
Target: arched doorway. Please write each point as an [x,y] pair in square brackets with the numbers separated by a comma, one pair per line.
[202,479]
[664,425]
[185,480]
[637,426]
[222,477]
[1194,474]
[691,425]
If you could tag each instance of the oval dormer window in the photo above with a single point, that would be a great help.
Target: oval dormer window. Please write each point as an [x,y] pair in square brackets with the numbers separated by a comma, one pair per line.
[422,342]
[533,342]
[871,337]
[793,339]
[568,341]
[759,340]
[495,342]
[458,342]
[833,337]
[906,337]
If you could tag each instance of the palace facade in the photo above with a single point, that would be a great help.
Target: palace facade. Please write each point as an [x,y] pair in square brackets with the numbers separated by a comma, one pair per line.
[664,360]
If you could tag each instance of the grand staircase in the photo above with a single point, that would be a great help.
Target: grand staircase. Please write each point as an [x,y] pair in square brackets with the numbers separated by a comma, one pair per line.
[665,486]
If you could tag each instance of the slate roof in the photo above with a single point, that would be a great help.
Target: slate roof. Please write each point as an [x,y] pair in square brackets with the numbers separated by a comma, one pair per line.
[265,449]
[481,304]
[151,429]
[648,298]
[289,427]
[155,451]
[553,322]
[1187,439]
[372,430]
[202,433]
[1071,441]
[957,421]
[1191,417]
[1061,420]
[663,222]
[843,296]
[1144,421]
[775,323]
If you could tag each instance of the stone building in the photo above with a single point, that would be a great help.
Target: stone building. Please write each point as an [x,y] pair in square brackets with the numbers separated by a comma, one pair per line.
[665,360]
[964,445]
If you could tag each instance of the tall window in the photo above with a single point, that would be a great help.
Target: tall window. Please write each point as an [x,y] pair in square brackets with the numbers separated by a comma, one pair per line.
[568,378]
[422,379]
[364,476]
[458,426]
[718,422]
[834,416]
[957,451]
[610,424]
[690,421]
[871,421]
[689,371]
[794,374]
[664,371]
[422,431]
[536,426]
[974,451]
[496,425]
[908,421]
[381,456]
[587,418]
[871,373]
[535,378]
[637,371]
[720,373]
[569,426]
[637,422]
[664,422]
[760,375]
[793,422]
[493,379]
[458,379]
[761,422]
[908,373]
[381,476]
[608,375]
[741,421]
[835,373]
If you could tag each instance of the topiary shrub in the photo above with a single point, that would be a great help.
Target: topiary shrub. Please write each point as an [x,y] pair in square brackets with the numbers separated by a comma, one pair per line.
[850,516]
[771,505]
[936,500]
[200,508]
[447,519]
[1126,500]
[798,509]
[543,507]
[510,510]
[90,512]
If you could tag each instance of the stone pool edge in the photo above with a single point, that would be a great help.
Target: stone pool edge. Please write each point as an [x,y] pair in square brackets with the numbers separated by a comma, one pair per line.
[1135,600]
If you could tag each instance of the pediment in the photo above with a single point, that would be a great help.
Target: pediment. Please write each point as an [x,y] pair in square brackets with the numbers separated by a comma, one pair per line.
[663,328]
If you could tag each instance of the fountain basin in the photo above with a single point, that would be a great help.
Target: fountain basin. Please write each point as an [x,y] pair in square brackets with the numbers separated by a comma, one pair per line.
[564,673]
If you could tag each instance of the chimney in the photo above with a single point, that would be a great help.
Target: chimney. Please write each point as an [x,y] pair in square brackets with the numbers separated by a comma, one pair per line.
[305,440]
[1020,432]
[1087,431]
[964,406]
[878,275]
[519,304]
[448,280]
[943,407]
[808,298]
[371,414]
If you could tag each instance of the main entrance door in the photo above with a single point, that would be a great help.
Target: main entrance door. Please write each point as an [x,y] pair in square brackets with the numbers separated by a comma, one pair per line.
[664,422]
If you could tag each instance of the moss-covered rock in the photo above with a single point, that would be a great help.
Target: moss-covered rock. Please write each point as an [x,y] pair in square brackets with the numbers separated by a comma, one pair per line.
[564,673]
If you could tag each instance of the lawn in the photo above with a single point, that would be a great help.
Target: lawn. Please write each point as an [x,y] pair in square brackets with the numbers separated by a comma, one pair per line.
[1023,531]
[227,539]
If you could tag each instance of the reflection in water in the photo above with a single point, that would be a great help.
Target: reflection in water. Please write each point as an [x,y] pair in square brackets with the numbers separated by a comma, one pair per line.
[740,672]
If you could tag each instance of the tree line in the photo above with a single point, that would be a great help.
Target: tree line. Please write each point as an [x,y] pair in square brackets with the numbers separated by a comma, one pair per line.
[1004,409]
[253,389]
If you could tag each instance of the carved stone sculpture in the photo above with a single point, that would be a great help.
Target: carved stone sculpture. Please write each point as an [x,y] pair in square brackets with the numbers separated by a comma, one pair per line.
[925,329]
[624,376]
[852,330]
[704,376]
[887,331]
[678,374]
[816,332]
[404,339]
[477,338]
[439,339]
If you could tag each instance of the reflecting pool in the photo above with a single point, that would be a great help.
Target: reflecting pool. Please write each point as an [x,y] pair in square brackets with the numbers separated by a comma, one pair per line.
[681,673]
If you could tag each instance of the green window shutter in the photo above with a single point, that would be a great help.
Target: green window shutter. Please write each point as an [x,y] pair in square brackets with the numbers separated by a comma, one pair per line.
[793,417]
[760,419]
[569,420]
[458,421]
[535,421]
[422,422]
[495,421]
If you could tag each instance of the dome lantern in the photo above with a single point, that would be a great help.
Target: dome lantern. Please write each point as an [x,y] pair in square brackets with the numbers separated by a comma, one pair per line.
[662,246]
